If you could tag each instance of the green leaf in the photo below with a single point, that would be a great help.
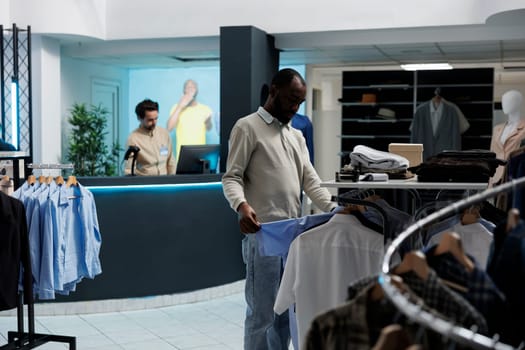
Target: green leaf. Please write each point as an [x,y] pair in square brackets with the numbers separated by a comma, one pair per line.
[86,147]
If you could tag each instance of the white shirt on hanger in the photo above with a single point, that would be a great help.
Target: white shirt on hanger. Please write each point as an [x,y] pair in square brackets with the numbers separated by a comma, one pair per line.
[322,262]
[475,237]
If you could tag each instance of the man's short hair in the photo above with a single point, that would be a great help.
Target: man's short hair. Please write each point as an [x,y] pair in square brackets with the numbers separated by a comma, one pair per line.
[285,76]
[146,105]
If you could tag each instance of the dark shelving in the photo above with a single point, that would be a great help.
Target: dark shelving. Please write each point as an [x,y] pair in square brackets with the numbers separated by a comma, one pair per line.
[401,92]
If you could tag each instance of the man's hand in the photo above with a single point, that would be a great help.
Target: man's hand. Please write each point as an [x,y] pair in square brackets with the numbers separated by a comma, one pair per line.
[186,99]
[248,219]
[189,95]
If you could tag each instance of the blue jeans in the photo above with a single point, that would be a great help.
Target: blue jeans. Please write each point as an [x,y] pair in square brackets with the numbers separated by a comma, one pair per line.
[263,329]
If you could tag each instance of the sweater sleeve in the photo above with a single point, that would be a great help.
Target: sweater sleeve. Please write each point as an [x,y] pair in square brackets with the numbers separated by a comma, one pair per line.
[239,154]
[320,196]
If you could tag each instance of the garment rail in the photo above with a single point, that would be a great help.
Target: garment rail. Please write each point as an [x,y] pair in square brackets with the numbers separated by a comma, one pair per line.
[28,340]
[47,169]
[468,337]
[50,166]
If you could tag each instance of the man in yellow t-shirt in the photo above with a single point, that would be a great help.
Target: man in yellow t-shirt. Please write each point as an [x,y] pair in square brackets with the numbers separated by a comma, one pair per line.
[190,118]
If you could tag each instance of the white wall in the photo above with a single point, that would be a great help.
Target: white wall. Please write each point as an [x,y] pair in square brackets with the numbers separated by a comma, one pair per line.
[46,100]
[5,16]
[76,78]
[186,16]
[127,19]
[326,119]
[72,17]
[505,81]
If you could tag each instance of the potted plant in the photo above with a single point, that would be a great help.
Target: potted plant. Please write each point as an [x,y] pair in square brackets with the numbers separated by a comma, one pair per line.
[86,147]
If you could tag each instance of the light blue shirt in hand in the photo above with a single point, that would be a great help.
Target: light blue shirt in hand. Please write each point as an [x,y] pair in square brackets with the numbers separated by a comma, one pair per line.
[275,237]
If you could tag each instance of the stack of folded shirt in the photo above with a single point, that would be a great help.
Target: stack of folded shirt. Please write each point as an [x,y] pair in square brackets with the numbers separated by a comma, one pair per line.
[371,160]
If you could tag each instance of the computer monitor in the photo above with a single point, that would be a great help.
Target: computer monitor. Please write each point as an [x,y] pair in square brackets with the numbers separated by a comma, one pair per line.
[198,159]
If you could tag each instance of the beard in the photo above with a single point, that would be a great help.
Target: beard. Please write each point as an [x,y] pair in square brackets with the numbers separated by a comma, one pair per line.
[283,120]
[281,115]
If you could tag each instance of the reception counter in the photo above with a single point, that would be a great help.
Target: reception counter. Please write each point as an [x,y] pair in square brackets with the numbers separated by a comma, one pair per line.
[162,235]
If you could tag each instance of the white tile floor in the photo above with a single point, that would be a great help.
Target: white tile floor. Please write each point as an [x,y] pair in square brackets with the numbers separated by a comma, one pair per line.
[213,324]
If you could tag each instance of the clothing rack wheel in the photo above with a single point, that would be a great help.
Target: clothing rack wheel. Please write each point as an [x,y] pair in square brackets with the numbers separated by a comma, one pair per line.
[449,330]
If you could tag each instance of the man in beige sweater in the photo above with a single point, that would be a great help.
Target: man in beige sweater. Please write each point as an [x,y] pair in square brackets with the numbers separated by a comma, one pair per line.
[155,156]
[267,168]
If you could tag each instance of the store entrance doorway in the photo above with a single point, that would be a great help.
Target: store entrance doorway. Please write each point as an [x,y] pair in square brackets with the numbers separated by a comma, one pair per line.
[106,93]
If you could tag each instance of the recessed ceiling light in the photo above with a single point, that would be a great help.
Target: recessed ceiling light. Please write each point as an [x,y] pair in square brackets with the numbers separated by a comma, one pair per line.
[426,66]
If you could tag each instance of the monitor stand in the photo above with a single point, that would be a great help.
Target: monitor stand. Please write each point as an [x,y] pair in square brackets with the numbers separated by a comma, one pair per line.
[205,166]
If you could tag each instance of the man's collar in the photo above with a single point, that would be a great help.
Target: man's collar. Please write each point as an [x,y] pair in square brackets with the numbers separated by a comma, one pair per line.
[268,118]
[146,131]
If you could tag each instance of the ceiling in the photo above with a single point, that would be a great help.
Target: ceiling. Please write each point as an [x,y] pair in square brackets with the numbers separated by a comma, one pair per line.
[499,51]
[499,41]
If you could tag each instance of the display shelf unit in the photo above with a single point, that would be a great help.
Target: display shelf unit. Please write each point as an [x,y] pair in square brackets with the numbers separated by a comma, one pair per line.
[402,92]
[394,91]
[19,161]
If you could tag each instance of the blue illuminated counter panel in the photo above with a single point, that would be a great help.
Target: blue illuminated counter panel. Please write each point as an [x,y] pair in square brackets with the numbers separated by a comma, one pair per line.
[162,235]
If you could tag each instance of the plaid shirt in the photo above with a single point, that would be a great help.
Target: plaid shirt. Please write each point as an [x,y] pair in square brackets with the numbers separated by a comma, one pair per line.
[436,296]
[439,297]
[481,292]
[358,323]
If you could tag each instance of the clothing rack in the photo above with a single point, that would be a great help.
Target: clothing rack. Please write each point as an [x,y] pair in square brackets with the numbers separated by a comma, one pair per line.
[54,169]
[29,340]
[468,337]
[51,166]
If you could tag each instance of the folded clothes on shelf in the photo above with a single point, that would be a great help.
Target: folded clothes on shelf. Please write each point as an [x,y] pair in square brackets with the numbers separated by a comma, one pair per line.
[371,158]
[458,166]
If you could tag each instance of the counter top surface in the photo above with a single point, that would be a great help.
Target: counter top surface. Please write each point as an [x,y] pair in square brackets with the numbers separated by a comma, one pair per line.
[148,180]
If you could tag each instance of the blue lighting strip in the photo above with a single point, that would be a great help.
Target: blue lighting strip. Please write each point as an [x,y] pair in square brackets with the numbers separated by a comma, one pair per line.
[14,113]
[166,187]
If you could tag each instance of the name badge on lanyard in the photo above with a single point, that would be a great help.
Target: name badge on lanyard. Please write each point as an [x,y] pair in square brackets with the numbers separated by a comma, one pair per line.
[164,151]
